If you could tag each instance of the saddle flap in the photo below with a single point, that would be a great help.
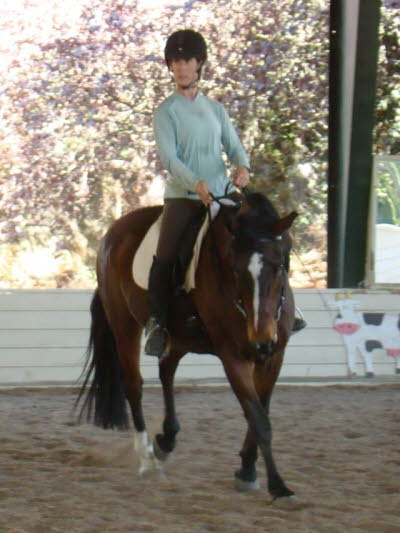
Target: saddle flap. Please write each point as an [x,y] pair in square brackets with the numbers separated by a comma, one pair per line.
[144,255]
[188,256]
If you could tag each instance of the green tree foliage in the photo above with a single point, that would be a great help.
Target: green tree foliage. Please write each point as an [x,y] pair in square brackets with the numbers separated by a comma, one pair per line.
[76,142]
[388,192]
[387,129]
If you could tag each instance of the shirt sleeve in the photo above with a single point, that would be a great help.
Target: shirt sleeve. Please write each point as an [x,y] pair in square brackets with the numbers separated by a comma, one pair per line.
[231,142]
[164,133]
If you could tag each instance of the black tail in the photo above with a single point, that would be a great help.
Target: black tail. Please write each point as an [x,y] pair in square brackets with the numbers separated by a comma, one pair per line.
[105,401]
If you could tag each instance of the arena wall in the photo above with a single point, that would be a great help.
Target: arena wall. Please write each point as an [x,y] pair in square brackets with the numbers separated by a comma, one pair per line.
[43,337]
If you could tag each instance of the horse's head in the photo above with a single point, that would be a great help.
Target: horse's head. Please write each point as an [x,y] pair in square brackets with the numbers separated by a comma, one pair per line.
[260,248]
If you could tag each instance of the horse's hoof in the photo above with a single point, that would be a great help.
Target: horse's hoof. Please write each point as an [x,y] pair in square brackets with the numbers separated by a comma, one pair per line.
[245,486]
[159,452]
[287,502]
[150,466]
[156,473]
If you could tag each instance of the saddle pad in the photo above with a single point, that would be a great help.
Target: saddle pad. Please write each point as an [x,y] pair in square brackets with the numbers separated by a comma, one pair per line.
[144,255]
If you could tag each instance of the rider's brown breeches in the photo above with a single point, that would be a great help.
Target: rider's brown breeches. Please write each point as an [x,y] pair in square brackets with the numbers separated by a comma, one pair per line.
[176,216]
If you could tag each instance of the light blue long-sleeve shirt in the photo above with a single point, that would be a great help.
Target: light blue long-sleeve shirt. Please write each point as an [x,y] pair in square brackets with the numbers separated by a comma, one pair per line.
[190,135]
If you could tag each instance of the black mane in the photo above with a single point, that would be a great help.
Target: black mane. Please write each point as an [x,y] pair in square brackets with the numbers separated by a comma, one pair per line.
[261,208]
[253,225]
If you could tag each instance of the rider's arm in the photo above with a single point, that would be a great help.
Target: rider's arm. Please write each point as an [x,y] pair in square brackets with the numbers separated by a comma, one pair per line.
[164,133]
[231,142]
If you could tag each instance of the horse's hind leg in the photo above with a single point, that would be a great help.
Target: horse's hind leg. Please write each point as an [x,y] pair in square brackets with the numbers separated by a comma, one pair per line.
[164,443]
[128,347]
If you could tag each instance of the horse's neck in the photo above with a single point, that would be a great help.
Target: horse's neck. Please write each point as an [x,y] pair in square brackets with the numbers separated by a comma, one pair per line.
[221,236]
[219,243]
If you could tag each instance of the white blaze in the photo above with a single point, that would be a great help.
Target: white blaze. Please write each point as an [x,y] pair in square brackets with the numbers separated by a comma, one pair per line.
[255,267]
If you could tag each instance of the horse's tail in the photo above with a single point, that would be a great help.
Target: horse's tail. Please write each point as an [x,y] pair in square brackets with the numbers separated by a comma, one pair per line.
[105,401]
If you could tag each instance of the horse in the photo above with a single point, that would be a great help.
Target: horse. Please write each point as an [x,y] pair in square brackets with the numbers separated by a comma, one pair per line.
[241,310]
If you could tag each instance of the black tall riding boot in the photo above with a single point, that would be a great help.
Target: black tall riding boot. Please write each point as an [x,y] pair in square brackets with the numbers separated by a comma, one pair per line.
[299,323]
[159,293]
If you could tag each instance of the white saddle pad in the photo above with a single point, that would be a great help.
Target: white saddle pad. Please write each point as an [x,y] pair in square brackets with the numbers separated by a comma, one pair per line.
[147,249]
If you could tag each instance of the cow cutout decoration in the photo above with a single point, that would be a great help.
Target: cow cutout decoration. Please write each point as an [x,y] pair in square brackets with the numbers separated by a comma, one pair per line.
[365,332]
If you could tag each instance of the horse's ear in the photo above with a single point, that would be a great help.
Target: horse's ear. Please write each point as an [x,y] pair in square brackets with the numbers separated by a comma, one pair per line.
[283,224]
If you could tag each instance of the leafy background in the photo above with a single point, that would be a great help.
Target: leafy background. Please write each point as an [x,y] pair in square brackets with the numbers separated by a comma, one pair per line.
[80,80]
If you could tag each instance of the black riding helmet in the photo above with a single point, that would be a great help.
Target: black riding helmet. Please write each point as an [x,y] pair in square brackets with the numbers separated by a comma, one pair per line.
[185,44]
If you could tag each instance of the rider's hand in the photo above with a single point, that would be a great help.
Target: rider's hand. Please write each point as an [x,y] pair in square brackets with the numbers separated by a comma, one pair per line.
[204,192]
[241,177]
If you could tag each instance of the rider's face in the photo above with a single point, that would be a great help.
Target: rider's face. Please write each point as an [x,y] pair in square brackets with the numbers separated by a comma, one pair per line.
[185,71]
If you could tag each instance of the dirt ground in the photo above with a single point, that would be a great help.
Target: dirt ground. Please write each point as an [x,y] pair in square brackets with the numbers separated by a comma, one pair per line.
[338,448]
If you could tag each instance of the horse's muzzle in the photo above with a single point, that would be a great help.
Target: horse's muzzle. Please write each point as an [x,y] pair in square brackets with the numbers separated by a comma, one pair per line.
[266,350]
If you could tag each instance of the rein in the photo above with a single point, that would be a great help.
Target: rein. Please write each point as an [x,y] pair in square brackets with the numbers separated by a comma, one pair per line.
[282,296]
[225,201]
[216,255]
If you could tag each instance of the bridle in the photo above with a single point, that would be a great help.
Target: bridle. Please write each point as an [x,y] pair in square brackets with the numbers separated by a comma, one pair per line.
[280,269]
[224,201]
[267,349]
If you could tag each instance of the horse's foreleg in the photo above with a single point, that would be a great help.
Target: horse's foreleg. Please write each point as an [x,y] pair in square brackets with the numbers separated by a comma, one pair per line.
[246,476]
[239,373]
[265,377]
[164,443]
[260,426]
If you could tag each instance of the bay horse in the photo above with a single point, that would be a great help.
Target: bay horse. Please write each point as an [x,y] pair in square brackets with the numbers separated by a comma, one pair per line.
[241,310]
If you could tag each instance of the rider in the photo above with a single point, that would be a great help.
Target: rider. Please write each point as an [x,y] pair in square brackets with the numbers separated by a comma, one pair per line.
[189,129]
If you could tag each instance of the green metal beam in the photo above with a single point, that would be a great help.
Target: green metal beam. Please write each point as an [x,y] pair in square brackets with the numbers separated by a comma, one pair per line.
[360,164]
[336,184]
